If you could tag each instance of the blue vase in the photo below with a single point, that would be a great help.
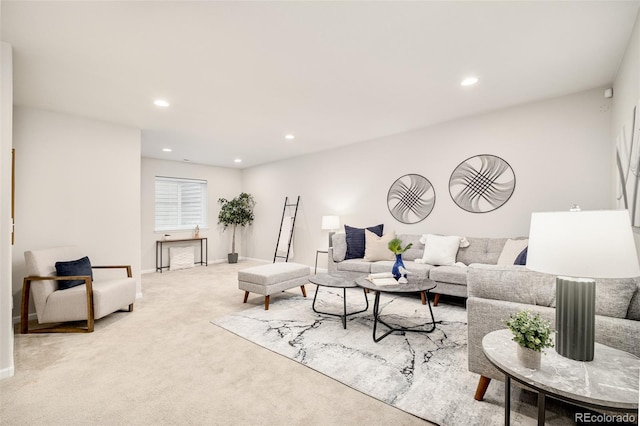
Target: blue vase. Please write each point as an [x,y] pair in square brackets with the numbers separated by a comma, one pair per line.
[399,264]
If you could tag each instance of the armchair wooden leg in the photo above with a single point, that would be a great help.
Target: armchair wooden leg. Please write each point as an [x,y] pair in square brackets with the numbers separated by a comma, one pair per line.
[131,307]
[246,296]
[483,384]
[304,292]
[266,303]
[24,306]
[436,299]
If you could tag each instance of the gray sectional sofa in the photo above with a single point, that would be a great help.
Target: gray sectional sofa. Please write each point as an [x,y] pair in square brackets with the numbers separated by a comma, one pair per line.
[451,280]
[495,292]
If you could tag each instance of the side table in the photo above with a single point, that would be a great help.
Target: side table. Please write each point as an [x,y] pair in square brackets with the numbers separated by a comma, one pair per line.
[315,270]
[609,382]
[343,280]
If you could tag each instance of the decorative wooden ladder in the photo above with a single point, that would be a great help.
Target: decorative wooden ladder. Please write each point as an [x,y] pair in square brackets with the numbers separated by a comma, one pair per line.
[282,221]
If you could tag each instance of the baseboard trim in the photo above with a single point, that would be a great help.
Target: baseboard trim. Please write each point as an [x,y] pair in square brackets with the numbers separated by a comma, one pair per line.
[32,316]
[5,373]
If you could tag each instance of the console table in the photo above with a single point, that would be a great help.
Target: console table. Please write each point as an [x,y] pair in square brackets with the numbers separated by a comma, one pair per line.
[204,248]
[609,382]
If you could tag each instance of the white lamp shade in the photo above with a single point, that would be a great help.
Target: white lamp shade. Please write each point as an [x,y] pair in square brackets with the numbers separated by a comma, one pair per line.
[330,223]
[588,244]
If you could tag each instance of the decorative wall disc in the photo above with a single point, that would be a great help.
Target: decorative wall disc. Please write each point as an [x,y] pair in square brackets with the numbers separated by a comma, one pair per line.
[482,183]
[411,198]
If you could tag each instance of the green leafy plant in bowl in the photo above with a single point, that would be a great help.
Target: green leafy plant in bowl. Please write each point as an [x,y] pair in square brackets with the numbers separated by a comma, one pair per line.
[530,330]
[395,246]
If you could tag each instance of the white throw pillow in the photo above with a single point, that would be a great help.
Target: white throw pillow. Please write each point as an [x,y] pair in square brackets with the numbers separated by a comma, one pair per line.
[511,250]
[180,258]
[440,250]
[377,248]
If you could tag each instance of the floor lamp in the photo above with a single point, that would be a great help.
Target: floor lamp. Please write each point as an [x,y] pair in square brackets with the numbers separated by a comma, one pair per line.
[331,224]
[579,246]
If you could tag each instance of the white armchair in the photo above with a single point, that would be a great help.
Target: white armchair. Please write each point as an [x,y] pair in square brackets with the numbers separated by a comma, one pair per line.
[89,301]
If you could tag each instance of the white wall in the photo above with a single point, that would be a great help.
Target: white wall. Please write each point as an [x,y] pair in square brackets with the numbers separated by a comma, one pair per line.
[626,94]
[6,116]
[221,182]
[559,150]
[77,183]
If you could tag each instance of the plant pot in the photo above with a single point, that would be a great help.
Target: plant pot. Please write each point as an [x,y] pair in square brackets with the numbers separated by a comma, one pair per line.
[232,257]
[529,358]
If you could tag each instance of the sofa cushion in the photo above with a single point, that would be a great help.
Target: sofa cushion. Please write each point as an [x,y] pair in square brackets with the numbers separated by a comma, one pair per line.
[613,296]
[634,306]
[449,274]
[355,265]
[377,248]
[511,251]
[440,250]
[355,240]
[79,267]
[481,250]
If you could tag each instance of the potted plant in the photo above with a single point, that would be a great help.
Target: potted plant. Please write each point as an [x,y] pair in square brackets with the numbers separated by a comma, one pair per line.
[532,334]
[238,211]
[395,246]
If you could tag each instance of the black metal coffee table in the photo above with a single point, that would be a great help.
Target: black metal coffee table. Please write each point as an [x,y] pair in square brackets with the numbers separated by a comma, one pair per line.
[422,286]
[343,280]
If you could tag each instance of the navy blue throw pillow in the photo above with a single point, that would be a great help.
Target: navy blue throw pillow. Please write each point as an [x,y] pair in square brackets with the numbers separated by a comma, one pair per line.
[522,257]
[73,268]
[355,240]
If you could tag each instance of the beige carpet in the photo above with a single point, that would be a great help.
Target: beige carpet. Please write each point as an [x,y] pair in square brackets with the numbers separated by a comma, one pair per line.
[165,364]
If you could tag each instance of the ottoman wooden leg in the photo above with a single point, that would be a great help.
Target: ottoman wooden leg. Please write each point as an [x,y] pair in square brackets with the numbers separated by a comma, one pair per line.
[436,299]
[266,303]
[304,292]
[246,296]
[483,384]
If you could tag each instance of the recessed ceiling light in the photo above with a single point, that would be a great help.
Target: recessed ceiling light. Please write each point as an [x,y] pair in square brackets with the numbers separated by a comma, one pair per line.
[161,103]
[289,136]
[469,81]
[167,149]
[237,160]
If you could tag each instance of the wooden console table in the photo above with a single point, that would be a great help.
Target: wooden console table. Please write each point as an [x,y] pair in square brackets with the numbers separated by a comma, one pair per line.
[204,248]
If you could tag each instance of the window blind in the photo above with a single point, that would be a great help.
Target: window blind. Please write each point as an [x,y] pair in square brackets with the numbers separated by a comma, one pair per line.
[180,203]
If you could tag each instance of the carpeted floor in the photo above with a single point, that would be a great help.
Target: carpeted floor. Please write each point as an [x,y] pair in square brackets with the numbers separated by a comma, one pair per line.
[165,364]
[423,374]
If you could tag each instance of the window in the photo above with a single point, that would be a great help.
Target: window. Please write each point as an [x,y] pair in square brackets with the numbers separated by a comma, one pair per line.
[180,203]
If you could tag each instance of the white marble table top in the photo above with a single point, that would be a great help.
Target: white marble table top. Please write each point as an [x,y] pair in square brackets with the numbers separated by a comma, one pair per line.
[609,381]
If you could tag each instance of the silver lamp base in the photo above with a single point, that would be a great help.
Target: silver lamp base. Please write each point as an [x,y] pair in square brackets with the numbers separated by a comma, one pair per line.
[575,318]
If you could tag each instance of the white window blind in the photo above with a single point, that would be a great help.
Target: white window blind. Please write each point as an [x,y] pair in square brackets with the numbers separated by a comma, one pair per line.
[180,203]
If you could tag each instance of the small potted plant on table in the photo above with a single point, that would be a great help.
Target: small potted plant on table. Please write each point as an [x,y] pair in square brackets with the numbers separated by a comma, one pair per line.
[532,333]
[395,246]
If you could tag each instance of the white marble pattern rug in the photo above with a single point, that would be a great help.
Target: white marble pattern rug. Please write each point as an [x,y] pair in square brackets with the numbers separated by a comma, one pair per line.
[423,374]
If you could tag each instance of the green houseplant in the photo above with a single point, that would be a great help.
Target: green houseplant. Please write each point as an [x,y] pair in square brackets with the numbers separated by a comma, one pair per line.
[533,334]
[395,246]
[234,213]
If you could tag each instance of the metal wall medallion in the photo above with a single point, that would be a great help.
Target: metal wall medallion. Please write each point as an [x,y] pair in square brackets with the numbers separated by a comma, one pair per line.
[482,183]
[411,198]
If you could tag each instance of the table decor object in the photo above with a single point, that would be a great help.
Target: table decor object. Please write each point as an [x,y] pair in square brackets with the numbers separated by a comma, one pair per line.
[395,245]
[532,334]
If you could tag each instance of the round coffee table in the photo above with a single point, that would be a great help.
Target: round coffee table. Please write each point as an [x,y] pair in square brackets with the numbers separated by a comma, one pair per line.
[422,286]
[343,280]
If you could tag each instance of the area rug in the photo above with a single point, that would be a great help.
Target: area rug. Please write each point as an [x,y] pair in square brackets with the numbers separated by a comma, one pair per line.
[423,374]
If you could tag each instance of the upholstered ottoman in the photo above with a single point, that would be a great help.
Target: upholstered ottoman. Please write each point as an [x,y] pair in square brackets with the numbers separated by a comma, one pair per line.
[272,278]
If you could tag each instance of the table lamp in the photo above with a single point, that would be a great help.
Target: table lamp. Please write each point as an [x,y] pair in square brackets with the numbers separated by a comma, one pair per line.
[331,224]
[579,246]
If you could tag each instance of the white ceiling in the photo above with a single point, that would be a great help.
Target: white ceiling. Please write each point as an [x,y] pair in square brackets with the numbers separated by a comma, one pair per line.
[240,75]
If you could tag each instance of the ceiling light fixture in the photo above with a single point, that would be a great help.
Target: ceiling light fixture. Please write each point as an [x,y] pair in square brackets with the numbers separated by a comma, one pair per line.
[289,136]
[167,149]
[237,160]
[161,103]
[469,81]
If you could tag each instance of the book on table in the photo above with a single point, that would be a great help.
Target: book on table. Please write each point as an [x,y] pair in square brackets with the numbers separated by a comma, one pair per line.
[382,278]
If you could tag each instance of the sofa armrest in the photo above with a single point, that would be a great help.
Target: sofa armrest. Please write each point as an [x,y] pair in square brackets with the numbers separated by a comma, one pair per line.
[332,266]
